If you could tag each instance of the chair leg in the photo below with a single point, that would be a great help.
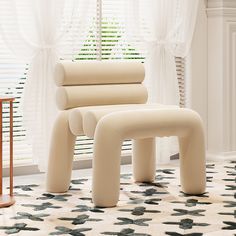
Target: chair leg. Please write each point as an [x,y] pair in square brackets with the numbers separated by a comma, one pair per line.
[106,169]
[144,160]
[192,161]
[60,155]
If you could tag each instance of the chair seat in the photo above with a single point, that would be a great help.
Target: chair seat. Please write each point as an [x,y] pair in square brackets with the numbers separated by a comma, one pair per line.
[80,126]
[92,116]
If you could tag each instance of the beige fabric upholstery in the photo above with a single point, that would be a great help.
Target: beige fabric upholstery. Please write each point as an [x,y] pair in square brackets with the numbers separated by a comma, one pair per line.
[78,96]
[97,72]
[108,101]
[76,117]
[143,125]
[80,125]
[60,155]
[92,116]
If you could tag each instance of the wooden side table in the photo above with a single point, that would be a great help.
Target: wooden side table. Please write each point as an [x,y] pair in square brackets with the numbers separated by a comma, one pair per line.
[6,199]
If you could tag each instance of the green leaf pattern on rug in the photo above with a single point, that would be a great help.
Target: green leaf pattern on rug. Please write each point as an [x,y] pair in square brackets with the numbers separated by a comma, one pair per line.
[144,209]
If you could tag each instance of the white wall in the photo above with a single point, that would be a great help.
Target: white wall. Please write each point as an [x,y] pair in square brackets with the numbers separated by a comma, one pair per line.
[222,79]
[212,75]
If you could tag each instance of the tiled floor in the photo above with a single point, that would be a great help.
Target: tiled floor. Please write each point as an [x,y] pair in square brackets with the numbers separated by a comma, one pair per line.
[145,209]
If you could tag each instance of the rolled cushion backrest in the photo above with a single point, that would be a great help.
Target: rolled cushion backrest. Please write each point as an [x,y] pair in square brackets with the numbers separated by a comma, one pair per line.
[99,83]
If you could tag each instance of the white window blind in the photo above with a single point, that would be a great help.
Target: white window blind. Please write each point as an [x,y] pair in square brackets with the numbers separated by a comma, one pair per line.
[180,67]
[104,40]
[12,80]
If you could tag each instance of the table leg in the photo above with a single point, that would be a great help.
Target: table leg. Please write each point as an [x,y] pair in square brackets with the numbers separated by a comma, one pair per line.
[1,148]
[6,200]
[11,148]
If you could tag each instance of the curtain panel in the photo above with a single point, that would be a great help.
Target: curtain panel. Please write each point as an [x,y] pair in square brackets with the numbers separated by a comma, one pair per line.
[36,31]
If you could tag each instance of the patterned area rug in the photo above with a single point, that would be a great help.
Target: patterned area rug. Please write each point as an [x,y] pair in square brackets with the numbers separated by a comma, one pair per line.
[159,208]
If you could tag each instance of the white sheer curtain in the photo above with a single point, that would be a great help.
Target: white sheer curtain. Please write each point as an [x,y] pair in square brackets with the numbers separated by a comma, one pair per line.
[35,31]
[165,29]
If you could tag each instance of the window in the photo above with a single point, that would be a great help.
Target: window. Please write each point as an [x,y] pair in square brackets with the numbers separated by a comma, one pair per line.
[104,41]
[12,79]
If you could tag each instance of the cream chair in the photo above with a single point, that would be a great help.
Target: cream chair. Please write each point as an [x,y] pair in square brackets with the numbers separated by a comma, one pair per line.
[106,100]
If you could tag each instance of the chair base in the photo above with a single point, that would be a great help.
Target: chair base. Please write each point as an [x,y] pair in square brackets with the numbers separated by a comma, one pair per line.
[143,126]
[6,200]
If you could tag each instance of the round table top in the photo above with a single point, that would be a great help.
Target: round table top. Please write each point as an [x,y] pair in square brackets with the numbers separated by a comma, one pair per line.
[6,99]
